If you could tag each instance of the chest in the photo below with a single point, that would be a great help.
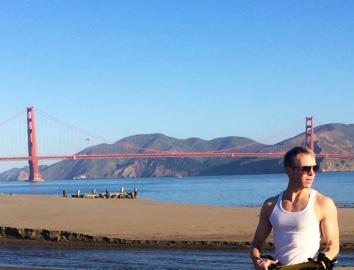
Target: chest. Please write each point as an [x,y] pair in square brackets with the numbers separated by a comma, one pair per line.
[295,206]
[294,221]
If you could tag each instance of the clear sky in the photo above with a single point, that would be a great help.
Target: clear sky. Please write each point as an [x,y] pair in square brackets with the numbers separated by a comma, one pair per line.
[185,68]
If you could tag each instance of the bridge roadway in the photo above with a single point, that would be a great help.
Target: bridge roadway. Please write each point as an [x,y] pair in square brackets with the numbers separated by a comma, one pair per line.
[173,154]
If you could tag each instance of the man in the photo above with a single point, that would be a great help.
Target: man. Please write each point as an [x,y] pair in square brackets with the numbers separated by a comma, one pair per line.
[299,216]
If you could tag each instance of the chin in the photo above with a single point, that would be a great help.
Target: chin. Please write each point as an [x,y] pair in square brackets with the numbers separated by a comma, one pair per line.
[308,185]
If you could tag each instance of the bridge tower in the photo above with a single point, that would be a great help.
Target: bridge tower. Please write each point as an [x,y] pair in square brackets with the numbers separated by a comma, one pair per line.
[32,146]
[309,133]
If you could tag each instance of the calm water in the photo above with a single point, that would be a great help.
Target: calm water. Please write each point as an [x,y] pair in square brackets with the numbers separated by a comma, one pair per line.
[126,259]
[229,191]
[132,259]
[225,191]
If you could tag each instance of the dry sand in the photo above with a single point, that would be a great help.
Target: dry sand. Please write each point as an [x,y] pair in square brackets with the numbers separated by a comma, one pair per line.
[140,219]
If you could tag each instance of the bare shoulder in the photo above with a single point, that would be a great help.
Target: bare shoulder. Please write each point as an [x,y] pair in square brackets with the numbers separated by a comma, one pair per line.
[270,201]
[325,206]
[269,204]
[324,201]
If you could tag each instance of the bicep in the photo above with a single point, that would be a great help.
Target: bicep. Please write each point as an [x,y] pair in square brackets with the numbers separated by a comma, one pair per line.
[329,223]
[264,226]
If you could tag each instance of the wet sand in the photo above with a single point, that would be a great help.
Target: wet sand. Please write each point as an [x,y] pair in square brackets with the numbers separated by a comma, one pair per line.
[142,219]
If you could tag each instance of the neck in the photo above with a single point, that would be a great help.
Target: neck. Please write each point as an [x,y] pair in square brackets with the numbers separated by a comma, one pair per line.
[291,193]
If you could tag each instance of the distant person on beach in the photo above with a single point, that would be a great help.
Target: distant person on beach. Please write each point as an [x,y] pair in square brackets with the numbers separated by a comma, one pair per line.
[135,192]
[299,216]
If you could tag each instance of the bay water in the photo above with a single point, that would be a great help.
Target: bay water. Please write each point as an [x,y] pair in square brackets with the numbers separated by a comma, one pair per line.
[221,191]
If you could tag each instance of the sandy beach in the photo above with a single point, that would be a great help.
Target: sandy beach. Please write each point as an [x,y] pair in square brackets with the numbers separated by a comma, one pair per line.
[141,219]
[139,222]
[128,219]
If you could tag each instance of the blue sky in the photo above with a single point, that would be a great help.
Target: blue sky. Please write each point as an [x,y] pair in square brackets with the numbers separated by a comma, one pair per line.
[202,69]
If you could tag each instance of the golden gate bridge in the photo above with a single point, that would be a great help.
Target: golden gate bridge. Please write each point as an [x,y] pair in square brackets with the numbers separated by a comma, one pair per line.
[33,157]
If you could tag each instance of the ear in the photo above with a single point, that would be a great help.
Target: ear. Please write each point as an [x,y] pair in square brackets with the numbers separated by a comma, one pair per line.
[288,170]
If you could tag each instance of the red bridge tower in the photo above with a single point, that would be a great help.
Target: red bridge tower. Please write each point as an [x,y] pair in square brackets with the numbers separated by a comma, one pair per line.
[32,146]
[309,139]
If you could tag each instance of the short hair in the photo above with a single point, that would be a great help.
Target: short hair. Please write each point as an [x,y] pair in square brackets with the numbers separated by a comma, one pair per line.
[290,156]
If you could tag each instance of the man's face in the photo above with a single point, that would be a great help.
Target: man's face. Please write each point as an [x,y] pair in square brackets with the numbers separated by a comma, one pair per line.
[303,173]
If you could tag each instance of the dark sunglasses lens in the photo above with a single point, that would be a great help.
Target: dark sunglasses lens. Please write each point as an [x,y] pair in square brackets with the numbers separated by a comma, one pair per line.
[308,168]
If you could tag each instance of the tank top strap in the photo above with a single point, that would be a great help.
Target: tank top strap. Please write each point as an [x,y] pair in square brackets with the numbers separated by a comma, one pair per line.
[279,199]
[312,198]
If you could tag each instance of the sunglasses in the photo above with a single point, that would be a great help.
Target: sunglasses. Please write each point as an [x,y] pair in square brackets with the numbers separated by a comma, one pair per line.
[308,169]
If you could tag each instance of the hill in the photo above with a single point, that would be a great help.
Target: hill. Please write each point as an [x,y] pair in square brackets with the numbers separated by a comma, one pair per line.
[329,138]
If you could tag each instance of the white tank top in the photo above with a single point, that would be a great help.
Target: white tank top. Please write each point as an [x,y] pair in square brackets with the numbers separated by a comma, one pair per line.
[296,234]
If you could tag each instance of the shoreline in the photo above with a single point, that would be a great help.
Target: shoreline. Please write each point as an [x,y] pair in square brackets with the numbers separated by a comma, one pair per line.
[10,236]
[38,220]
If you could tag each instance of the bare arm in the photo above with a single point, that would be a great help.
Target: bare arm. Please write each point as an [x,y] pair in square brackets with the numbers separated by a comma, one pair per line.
[262,232]
[329,226]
